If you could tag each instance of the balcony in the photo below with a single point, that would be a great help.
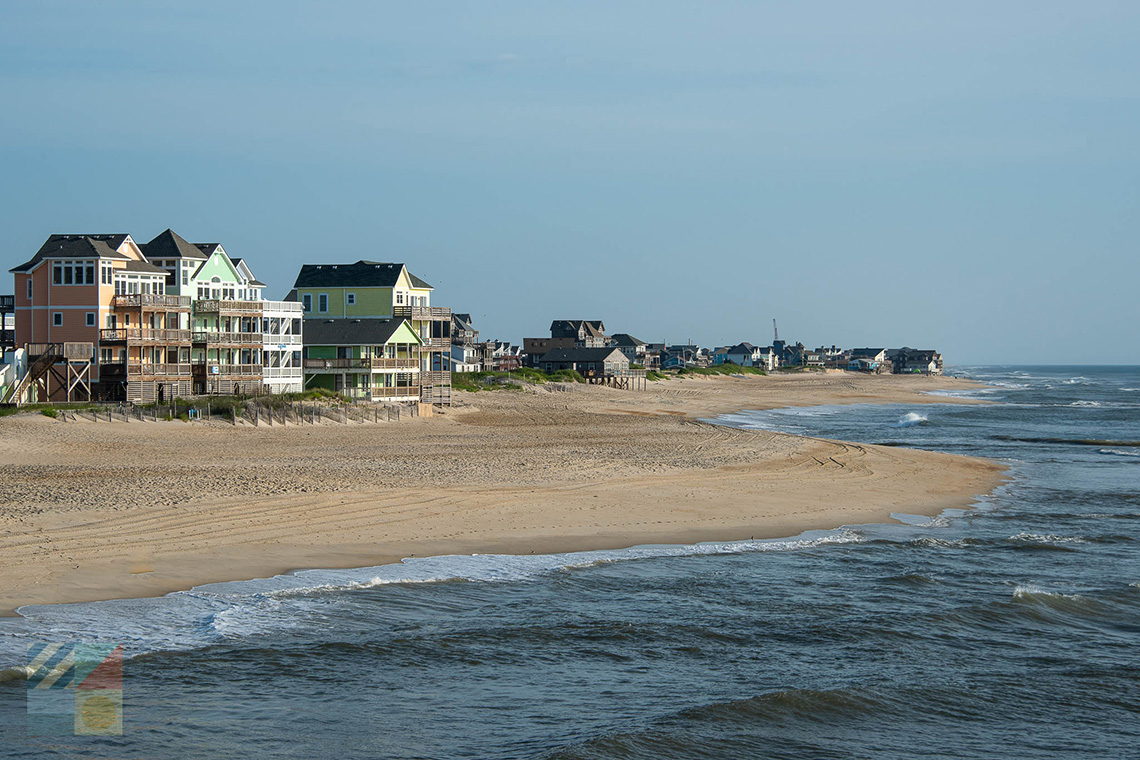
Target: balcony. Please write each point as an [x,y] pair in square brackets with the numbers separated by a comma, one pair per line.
[280,340]
[400,392]
[151,301]
[215,306]
[7,337]
[228,338]
[228,370]
[436,342]
[291,307]
[7,303]
[143,335]
[441,313]
[405,364]
[282,372]
[136,371]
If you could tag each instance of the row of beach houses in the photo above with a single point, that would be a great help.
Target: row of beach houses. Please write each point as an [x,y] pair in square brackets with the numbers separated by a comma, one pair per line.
[104,317]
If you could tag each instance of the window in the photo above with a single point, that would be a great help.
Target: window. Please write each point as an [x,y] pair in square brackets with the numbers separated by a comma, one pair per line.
[350,299]
[73,273]
[323,302]
[107,275]
[57,319]
[185,275]
[29,287]
[307,301]
[399,298]
[90,319]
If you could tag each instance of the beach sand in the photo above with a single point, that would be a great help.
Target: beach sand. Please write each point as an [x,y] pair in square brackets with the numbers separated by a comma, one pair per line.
[94,511]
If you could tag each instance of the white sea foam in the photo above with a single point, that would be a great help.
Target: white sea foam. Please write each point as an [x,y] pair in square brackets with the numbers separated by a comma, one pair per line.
[1086,403]
[217,612]
[910,419]
[1119,452]
[1048,538]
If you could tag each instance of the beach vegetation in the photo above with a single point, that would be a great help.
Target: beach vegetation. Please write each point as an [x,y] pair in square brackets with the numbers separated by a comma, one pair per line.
[722,369]
[53,413]
[514,380]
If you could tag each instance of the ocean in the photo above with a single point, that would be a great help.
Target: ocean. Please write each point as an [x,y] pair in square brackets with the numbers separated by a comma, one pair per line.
[1009,630]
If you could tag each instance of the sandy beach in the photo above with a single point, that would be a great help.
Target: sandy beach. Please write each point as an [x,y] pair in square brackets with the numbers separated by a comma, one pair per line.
[105,510]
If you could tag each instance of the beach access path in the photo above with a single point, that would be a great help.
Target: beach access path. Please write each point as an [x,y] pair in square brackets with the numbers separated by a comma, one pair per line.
[102,510]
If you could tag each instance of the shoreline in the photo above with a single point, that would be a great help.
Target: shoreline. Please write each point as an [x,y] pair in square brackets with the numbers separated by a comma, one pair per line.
[580,469]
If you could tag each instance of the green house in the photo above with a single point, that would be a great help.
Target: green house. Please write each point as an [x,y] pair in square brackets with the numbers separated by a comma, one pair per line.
[366,359]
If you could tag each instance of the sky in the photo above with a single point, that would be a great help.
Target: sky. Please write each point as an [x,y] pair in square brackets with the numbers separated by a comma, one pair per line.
[962,176]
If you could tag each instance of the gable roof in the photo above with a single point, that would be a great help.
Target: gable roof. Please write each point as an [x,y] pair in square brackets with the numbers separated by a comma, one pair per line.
[625,339]
[860,353]
[76,247]
[146,267]
[362,274]
[742,348]
[350,332]
[168,244]
[579,354]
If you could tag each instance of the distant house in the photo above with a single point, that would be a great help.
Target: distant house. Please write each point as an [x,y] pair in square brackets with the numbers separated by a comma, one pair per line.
[587,361]
[872,360]
[587,333]
[633,348]
[916,361]
[746,355]
[462,329]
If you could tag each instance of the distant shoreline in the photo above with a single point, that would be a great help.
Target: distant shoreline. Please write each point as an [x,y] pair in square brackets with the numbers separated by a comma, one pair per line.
[544,471]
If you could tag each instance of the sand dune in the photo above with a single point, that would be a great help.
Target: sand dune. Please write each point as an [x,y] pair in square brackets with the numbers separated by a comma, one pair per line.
[97,510]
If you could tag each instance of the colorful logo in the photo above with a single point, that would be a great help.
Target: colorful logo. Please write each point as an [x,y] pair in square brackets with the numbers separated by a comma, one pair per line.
[75,689]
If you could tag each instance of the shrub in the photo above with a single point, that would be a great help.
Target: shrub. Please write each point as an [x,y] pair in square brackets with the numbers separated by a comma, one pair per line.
[53,413]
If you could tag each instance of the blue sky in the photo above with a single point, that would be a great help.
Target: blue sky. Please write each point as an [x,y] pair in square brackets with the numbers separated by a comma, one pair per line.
[961,176]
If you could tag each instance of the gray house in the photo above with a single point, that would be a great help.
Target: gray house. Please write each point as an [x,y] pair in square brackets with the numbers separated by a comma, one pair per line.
[590,362]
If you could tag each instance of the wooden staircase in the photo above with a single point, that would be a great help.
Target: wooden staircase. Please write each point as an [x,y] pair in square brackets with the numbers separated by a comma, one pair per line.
[50,353]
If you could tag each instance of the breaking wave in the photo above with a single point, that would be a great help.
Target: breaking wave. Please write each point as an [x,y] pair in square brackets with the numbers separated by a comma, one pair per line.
[910,419]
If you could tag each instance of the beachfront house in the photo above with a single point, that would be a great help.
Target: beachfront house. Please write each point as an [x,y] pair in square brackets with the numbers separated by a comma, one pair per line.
[364,359]
[633,348]
[873,360]
[378,290]
[589,362]
[104,317]
[916,361]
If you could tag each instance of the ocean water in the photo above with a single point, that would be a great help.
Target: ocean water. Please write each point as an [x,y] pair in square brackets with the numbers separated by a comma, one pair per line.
[1011,630]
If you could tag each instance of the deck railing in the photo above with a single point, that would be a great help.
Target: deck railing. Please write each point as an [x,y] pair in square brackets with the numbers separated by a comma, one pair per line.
[212,305]
[143,335]
[135,369]
[283,340]
[219,370]
[422,312]
[202,336]
[409,364]
[134,300]
[295,307]
[7,303]
[296,372]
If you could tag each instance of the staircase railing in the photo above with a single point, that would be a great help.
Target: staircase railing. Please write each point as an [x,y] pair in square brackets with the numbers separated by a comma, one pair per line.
[49,354]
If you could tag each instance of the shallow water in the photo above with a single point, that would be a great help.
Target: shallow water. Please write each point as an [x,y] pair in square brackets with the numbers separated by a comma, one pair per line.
[1012,630]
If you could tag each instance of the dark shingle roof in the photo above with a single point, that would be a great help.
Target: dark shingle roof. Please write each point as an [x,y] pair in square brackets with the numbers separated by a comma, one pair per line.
[742,348]
[362,274]
[76,247]
[625,339]
[142,266]
[579,354]
[350,332]
[865,353]
[168,244]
